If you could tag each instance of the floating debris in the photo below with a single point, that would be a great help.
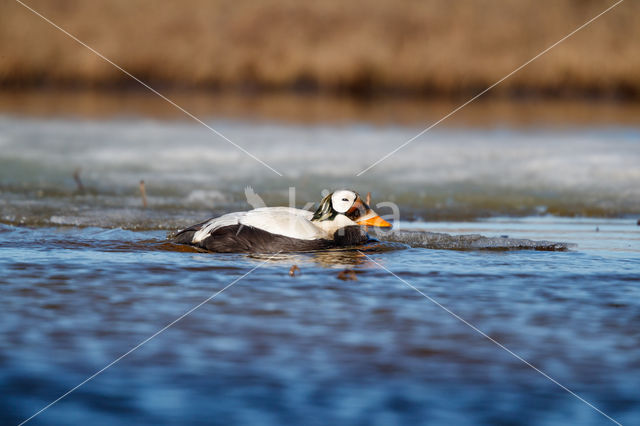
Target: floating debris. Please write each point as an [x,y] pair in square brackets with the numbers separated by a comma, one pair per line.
[434,240]
[347,275]
[293,270]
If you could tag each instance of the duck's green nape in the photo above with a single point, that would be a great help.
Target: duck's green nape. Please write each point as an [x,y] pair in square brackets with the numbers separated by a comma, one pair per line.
[325,210]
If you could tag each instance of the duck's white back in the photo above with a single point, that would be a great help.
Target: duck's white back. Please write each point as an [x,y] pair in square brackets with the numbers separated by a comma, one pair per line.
[286,221]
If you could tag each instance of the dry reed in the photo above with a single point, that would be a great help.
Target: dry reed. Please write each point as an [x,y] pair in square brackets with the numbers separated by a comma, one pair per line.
[416,47]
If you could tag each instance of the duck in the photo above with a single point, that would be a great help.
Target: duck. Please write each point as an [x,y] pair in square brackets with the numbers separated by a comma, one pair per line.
[339,221]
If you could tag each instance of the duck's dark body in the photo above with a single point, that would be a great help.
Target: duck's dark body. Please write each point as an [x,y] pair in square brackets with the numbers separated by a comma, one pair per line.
[248,239]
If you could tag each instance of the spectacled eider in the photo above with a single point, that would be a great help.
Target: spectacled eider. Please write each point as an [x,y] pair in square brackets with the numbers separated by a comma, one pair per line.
[336,223]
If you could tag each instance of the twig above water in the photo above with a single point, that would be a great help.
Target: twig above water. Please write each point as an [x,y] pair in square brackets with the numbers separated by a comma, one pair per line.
[143,193]
[76,177]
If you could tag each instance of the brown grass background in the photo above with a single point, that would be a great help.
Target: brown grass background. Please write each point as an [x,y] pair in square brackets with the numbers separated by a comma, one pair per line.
[433,47]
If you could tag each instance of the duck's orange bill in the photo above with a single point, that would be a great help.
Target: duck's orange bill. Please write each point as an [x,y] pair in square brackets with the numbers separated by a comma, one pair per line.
[375,221]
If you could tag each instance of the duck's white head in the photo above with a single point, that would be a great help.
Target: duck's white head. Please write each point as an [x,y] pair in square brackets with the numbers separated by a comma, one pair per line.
[345,208]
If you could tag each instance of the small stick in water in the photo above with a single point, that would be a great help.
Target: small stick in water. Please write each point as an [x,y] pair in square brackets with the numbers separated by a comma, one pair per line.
[293,270]
[76,177]
[143,192]
[347,275]
[368,198]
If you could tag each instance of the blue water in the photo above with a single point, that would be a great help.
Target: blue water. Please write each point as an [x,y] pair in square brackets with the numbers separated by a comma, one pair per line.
[316,349]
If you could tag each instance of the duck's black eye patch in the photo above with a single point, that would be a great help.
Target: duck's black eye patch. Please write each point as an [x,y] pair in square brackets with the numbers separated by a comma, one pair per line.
[345,199]
[353,215]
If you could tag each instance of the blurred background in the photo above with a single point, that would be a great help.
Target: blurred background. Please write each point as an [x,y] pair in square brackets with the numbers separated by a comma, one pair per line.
[320,91]
[359,48]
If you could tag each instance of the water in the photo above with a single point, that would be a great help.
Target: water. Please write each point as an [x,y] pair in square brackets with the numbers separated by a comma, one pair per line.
[88,275]
[313,348]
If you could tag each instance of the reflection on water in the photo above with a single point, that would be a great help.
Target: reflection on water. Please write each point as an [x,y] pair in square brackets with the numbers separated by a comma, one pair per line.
[325,258]
[333,258]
